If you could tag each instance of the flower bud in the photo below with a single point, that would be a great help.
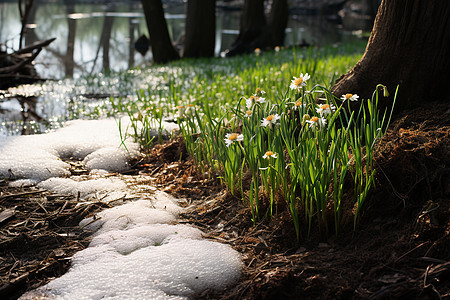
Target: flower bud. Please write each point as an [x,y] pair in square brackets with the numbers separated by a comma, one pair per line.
[385,92]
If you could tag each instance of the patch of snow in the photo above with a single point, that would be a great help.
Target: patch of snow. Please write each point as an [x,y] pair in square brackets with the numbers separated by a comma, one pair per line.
[178,268]
[137,249]
[138,253]
[127,241]
[39,157]
[23,183]
[86,188]
[127,216]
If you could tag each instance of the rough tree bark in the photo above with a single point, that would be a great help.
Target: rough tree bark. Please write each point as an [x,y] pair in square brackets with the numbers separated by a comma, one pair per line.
[410,47]
[162,48]
[200,28]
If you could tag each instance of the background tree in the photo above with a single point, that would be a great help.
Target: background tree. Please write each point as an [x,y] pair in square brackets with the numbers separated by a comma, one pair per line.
[200,28]
[24,10]
[410,47]
[72,29]
[278,20]
[255,31]
[162,48]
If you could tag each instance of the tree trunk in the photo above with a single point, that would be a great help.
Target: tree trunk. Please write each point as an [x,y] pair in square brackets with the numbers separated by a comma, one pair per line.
[410,47]
[72,27]
[278,21]
[254,31]
[200,28]
[162,48]
[24,12]
[106,42]
[30,36]
[131,29]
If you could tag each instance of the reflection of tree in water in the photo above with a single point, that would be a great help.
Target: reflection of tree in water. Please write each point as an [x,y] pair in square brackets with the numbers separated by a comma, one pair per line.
[105,41]
[72,29]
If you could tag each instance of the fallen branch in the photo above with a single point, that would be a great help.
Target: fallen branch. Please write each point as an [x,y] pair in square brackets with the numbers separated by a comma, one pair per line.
[33,46]
[13,68]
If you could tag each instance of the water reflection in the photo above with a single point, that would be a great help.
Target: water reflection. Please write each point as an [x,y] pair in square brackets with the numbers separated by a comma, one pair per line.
[94,38]
[98,38]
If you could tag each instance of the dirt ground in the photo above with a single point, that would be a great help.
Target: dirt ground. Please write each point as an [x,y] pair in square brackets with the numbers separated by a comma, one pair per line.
[400,249]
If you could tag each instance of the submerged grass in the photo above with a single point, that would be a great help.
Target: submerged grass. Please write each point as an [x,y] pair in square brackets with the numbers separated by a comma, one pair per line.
[248,118]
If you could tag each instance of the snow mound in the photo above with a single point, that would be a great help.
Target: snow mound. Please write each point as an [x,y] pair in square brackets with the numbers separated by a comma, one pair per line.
[39,157]
[170,271]
[127,241]
[138,253]
[127,216]
[84,188]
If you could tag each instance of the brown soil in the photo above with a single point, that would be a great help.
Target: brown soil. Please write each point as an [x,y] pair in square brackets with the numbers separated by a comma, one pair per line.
[400,249]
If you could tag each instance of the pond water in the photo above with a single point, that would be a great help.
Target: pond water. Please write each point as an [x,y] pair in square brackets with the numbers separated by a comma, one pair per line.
[79,51]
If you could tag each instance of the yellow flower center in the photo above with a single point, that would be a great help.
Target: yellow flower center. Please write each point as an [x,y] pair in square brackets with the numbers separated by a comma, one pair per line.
[298,103]
[180,107]
[314,119]
[249,112]
[190,105]
[324,106]
[233,136]
[252,98]
[270,118]
[269,153]
[298,81]
[347,96]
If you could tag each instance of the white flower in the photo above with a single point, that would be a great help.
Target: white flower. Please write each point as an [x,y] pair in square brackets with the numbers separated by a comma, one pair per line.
[351,97]
[315,122]
[270,120]
[248,102]
[248,114]
[299,105]
[181,110]
[298,82]
[325,109]
[260,99]
[254,99]
[269,154]
[233,137]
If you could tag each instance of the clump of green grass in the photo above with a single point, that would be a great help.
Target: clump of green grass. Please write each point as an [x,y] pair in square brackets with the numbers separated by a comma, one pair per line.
[297,144]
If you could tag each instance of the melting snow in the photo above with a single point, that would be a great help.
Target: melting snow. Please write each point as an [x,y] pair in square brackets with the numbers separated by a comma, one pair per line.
[38,157]
[138,251]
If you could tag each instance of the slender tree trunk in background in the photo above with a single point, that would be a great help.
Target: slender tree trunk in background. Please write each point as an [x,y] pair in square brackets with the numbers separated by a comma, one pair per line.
[30,36]
[106,42]
[131,27]
[24,12]
[72,26]
[162,48]
[278,20]
[254,31]
[410,47]
[200,28]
